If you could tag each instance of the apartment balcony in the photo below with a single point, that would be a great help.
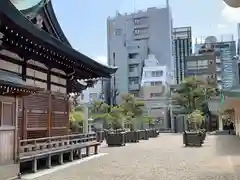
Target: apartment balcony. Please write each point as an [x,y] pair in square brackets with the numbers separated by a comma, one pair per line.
[133,87]
[219,78]
[134,61]
[141,36]
[140,26]
[218,69]
[134,74]
[218,60]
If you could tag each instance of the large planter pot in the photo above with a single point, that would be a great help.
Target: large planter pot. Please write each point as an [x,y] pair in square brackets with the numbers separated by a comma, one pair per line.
[100,136]
[203,133]
[116,139]
[143,135]
[153,133]
[192,138]
[132,136]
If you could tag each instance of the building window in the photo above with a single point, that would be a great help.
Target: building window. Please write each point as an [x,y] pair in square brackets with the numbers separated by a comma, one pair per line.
[93,96]
[155,95]
[134,80]
[157,73]
[156,83]
[140,31]
[147,74]
[132,55]
[7,114]
[82,96]
[136,32]
[131,69]
[118,32]
[136,21]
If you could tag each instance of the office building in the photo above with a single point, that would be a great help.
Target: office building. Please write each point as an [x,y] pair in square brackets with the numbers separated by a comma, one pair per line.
[131,38]
[203,65]
[182,47]
[225,51]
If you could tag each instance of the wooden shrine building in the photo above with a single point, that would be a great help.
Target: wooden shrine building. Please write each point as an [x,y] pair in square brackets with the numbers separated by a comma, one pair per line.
[38,71]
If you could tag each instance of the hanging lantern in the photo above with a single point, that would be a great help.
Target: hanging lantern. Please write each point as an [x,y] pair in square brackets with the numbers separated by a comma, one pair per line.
[233,3]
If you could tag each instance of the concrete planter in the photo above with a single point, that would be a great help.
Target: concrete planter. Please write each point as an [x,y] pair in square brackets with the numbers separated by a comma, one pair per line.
[192,138]
[143,135]
[132,136]
[116,139]
[100,136]
[153,133]
[203,134]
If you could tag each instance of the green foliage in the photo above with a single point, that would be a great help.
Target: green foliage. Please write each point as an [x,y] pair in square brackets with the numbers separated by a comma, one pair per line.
[99,110]
[196,118]
[78,108]
[76,118]
[118,115]
[193,93]
[132,109]
[131,106]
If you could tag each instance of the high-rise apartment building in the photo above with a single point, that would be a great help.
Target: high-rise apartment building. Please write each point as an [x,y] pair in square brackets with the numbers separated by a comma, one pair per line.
[182,47]
[131,38]
[238,40]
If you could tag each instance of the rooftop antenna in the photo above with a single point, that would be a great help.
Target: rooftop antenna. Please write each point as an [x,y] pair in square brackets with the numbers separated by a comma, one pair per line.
[134,6]
[167,3]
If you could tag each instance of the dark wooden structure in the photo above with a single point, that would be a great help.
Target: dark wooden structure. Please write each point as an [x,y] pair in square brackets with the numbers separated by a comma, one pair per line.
[33,49]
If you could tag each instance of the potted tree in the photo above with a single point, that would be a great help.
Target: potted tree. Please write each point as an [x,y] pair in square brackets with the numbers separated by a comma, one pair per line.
[194,136]
[99,114]
[132,110]
[116,137]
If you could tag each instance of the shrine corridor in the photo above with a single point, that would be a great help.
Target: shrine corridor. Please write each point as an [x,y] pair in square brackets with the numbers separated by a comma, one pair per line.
[162,158]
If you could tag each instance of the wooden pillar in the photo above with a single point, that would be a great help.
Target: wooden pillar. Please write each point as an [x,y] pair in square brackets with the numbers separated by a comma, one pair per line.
[49,114]
[49,79]
[25,118]
[16,130]
[68,111]
[24,70]
[24,103]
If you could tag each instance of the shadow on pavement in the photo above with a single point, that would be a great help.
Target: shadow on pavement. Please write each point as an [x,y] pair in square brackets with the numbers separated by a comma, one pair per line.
[227,145]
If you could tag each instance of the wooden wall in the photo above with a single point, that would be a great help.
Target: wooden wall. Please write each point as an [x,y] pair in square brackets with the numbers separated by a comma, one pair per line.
[45,114]
[34,76]
[8,133]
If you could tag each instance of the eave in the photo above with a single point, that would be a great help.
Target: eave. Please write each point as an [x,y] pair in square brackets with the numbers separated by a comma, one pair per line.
[9,11]
[12,84]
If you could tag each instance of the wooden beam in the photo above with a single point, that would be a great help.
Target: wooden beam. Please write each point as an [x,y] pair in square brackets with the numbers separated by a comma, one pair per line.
[31,66]
[45,81]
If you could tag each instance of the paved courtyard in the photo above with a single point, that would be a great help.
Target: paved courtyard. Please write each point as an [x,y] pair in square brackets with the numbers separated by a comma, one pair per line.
[163,158]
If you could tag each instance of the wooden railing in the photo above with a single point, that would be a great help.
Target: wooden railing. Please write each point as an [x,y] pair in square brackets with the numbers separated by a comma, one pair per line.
[30,146]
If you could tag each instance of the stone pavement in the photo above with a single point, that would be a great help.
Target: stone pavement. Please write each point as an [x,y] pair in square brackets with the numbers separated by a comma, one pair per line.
[163,158]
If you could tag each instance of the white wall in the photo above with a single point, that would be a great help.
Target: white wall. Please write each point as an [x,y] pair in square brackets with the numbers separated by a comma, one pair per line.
[91,93]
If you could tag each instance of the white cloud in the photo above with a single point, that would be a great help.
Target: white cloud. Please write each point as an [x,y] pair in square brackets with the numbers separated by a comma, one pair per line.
[231,14]
[102,59]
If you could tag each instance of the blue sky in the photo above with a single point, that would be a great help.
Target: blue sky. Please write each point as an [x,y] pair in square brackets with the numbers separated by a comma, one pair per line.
[84,22]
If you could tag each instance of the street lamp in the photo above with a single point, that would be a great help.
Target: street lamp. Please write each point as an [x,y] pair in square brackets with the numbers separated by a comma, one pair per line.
[233,3]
